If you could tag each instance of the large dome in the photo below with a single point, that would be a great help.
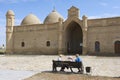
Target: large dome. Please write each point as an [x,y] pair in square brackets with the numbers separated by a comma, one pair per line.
[10,12]
[53,17]
[30,19]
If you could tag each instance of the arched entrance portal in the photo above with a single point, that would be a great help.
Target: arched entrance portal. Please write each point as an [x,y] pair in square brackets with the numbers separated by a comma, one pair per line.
[74,38]
[117,47]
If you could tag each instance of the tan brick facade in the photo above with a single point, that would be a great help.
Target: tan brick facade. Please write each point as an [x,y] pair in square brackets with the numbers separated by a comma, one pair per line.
[71,36]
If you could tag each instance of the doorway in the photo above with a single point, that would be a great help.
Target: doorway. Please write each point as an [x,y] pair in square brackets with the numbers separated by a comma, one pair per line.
[117,47]
[97,46]
[74,38]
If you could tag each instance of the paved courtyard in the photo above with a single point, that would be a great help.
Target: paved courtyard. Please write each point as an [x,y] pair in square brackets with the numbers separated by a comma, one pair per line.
[18,67]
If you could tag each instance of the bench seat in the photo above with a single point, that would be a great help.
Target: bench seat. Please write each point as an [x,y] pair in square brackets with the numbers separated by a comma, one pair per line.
[68,64]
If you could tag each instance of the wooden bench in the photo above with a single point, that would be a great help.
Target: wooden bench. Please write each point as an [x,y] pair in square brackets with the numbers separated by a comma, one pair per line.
[67,64]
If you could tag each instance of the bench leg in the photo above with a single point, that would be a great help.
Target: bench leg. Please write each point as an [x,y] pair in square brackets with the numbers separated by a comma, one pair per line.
[54,68]
[80,70]
[71,69]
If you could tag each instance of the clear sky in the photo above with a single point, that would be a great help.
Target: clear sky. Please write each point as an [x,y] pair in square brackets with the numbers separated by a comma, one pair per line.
[41,8]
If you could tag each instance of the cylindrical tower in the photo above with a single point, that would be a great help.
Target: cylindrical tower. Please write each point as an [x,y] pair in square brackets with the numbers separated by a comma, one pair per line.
[9,31]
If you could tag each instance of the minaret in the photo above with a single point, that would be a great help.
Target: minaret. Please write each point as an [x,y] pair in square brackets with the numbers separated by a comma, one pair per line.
[9,31]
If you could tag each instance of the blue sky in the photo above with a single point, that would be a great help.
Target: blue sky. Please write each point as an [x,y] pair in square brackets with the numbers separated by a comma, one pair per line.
[41,8]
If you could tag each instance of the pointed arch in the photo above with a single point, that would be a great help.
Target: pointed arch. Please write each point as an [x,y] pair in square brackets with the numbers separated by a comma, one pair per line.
[97,46]
[73,38]
[70,20]
[117,46]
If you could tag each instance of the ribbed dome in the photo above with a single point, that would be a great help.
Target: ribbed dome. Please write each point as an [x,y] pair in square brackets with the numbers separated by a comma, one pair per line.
[30,19]
[10,13]
[53,17]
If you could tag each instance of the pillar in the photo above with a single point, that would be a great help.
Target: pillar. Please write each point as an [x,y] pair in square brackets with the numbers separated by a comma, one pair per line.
[85,27]
[60,38]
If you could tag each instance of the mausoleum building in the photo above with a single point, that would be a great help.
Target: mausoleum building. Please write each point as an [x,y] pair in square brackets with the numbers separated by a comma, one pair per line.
[57,35]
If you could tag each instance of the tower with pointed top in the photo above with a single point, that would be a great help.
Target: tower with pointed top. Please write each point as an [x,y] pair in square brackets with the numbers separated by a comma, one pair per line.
[9,31]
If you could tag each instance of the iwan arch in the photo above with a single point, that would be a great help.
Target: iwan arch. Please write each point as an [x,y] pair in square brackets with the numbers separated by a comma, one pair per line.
[56,35]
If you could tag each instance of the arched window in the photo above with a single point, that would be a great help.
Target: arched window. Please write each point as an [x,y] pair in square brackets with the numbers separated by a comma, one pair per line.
[117,46]
[22,44]
[97,46]
[48,43]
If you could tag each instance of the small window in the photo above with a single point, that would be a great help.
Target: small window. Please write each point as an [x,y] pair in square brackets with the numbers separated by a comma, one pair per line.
[22,44]
[48,43]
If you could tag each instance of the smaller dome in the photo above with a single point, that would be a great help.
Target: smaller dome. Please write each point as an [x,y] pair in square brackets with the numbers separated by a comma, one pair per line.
[9,13]
[30,19]
[53,17]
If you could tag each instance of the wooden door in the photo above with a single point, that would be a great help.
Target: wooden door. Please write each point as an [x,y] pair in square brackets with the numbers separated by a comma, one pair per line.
[117,47]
